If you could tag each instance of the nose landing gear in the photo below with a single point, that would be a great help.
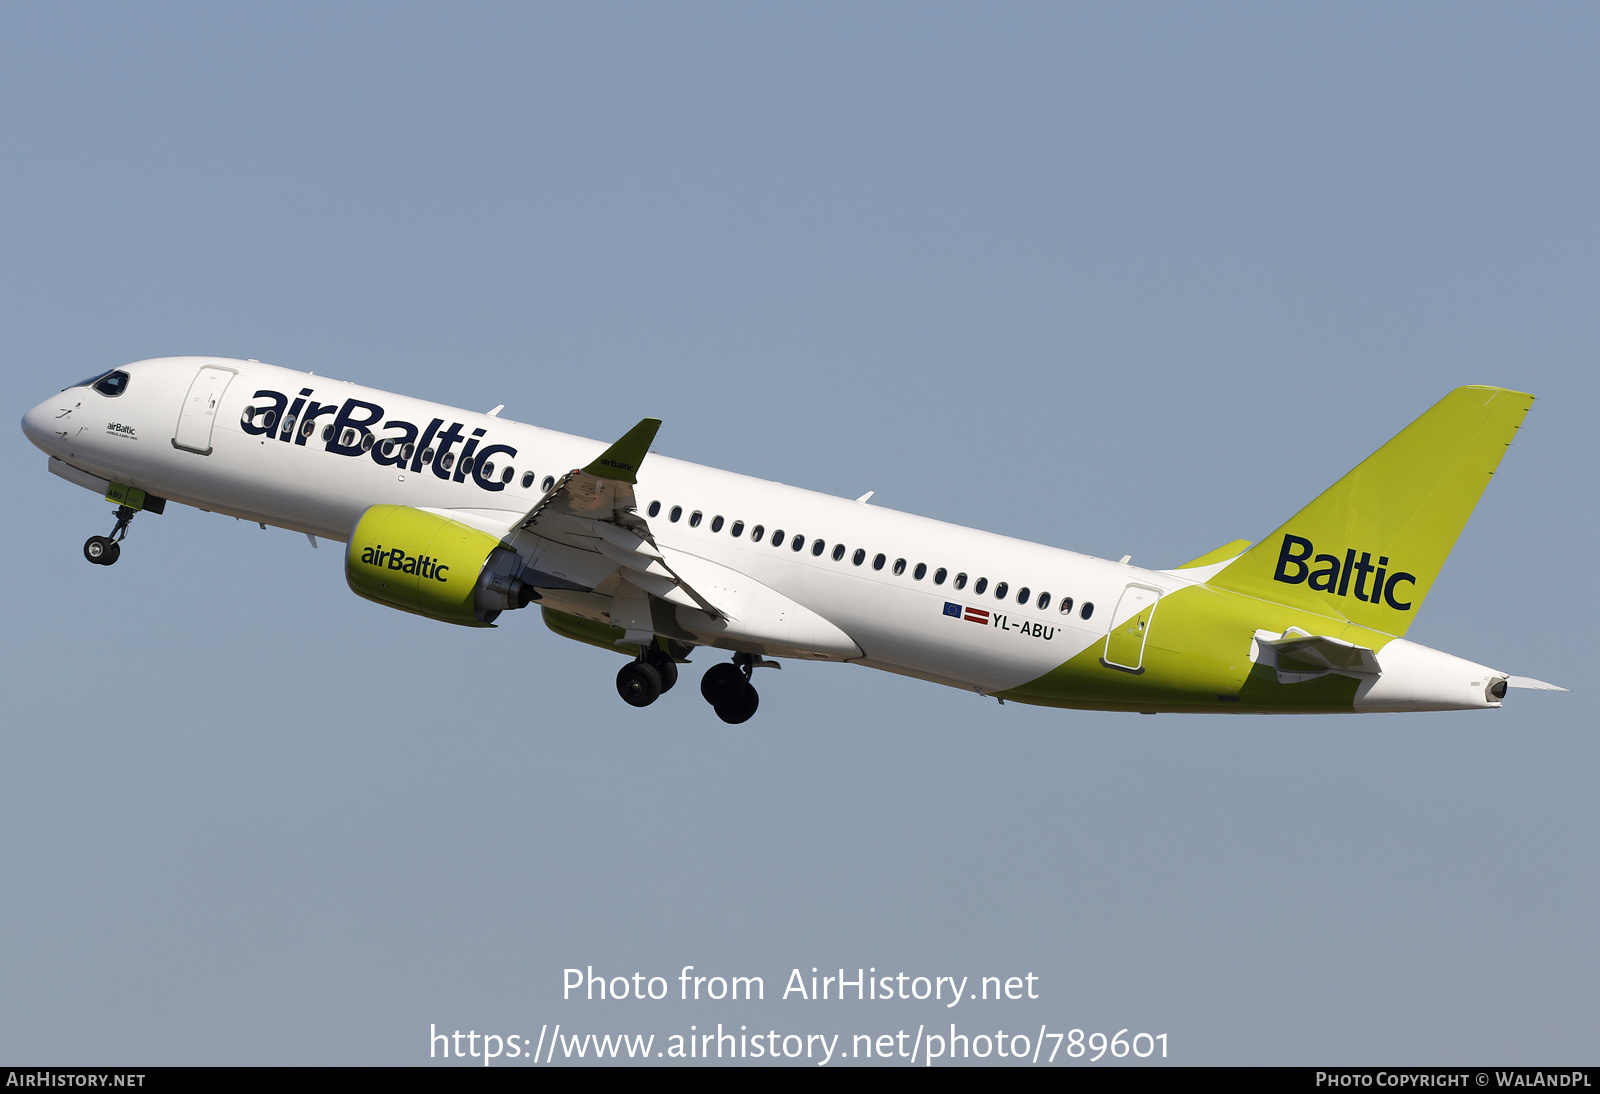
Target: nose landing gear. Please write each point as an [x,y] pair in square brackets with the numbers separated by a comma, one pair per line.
[105,550]
[728,689]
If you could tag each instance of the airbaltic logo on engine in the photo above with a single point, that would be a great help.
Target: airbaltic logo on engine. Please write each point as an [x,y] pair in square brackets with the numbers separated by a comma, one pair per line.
[396,559]
[1333,576]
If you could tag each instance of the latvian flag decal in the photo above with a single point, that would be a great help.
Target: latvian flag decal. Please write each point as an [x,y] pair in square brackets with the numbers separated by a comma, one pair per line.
[971,615]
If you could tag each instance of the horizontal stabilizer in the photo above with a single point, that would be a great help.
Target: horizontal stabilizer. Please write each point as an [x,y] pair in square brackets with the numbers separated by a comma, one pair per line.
[1299,656]
[1531,684]
[1226,553]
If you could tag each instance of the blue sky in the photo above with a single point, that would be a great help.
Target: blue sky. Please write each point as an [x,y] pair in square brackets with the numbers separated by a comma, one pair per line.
[1129,280]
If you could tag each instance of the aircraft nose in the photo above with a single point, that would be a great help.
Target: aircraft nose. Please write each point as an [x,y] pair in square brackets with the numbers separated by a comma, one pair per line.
[36,424]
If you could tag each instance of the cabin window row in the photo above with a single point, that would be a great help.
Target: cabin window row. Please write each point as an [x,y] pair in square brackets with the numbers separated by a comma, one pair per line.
[798,542]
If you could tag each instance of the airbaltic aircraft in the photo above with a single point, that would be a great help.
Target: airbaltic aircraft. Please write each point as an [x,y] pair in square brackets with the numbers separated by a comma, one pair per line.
[460,516]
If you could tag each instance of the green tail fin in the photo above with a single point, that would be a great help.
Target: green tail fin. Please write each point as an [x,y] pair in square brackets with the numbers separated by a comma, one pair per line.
[1369,548]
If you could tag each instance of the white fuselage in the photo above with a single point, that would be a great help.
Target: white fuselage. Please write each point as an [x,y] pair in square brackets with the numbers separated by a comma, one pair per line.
[1009,626]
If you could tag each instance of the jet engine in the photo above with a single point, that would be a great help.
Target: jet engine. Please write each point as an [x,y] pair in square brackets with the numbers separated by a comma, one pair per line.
[430,565]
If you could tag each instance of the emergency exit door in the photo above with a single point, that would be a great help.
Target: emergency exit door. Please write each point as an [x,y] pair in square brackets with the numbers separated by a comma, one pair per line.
[199,412]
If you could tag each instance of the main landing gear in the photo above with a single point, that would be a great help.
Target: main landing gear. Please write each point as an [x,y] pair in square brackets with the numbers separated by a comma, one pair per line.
[105,550]
[643,681]
[728,689]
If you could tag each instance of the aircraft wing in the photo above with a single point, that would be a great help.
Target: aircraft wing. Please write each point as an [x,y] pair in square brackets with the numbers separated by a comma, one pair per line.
[593,509]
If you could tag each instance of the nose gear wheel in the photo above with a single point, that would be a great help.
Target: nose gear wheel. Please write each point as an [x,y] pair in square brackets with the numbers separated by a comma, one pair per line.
[105,550]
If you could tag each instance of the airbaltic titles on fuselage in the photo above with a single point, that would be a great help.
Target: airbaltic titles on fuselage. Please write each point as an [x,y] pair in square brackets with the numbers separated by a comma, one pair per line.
[402,444]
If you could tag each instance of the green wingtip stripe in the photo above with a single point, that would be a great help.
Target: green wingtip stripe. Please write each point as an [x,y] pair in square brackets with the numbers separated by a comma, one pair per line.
[621,461]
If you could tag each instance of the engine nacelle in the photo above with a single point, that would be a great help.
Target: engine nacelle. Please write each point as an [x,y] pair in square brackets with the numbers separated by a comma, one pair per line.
[430,565]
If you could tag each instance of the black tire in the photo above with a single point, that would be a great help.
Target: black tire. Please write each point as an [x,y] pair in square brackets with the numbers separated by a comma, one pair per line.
[639,684]
[667,669]
[740,708]
[113,553]
[722,683]
[100,550]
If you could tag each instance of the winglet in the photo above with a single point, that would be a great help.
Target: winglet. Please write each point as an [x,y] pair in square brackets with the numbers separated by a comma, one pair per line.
[621,461]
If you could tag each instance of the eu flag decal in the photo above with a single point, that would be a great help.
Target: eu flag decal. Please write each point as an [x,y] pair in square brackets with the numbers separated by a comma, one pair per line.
[952,609]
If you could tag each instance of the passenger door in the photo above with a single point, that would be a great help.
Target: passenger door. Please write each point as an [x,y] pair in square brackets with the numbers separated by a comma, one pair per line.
[199,412]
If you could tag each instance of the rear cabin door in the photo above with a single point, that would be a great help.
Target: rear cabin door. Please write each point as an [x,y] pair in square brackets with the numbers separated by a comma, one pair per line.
[199,412]
[1130,627]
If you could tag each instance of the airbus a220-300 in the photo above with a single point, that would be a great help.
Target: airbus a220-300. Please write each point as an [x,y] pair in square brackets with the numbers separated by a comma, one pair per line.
[461,516]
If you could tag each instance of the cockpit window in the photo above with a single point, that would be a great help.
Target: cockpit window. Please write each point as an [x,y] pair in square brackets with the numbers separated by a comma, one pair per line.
[112,383]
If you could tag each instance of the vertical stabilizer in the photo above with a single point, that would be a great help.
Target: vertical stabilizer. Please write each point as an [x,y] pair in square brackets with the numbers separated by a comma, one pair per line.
[1369,548]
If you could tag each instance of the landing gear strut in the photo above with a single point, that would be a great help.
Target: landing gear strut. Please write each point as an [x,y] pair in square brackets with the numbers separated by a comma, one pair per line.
[641,682]
[105,550]
[728,689]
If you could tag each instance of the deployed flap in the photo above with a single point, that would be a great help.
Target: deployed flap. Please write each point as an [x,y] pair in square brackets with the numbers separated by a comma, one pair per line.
[1299,656]
[593,509]
[1369,548]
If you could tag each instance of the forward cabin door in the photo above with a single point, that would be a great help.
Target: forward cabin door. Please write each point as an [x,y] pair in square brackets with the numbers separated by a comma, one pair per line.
[199,412]
[1130,626]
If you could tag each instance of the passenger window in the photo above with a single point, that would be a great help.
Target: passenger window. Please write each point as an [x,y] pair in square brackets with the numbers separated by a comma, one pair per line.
[799,542]
[527,481]
[878,561]
[269,420]
[448,460]
[1044,601]
[367,442]
[818,547]
[716,524]
[466,464]
[407,451]
[777,538]
[961,581]
[654,510]
[427,456]
[838,552]
[920,572]
[694,519]
[1000,591]
[676,514]
[1066,605]
[550,480]
[899,566]
[507,475]
[756,533]
[1023,594]
[1088,610]
[327,431]
[981,584]
[737,530]
[858,558]
[939,575]
[308,425]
